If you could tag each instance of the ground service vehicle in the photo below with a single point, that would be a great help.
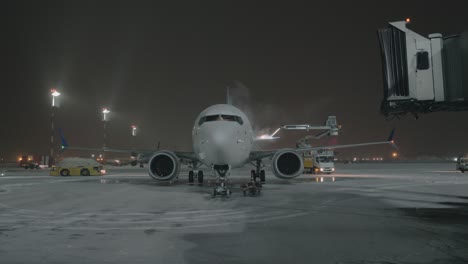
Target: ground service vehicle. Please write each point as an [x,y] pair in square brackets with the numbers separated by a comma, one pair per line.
[30,161]
[252,188]
[77,167]
[319,161]
[76,171]
[462,164]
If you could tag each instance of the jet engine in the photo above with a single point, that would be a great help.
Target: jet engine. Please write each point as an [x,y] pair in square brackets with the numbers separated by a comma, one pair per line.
[163,166]
[287,164]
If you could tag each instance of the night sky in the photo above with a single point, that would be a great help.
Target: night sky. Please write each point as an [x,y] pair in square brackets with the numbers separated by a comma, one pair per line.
[158,65]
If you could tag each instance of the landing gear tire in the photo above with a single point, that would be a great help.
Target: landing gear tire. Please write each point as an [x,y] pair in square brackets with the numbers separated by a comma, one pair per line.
[200,178]
[141,165]
[84,172]
[262,176]
[65,172]
[463,171]
[253,175]
[190,177]
[213,194]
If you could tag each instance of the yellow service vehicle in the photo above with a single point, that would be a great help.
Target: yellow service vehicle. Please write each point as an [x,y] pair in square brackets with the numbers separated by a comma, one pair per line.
[76,171]
[77,167]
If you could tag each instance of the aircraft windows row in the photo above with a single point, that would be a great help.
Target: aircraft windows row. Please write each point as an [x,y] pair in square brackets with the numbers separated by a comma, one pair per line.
[212,118]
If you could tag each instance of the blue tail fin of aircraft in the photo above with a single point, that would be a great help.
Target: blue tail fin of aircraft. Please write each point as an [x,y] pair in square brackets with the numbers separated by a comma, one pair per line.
[64,141]
[390,138]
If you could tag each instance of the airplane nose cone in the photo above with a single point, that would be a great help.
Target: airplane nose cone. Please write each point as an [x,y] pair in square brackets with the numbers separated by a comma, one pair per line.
[221,139]
[221,146]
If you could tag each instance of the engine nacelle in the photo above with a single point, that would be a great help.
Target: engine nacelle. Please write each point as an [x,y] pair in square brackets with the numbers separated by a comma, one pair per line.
[163,166]
[287,164]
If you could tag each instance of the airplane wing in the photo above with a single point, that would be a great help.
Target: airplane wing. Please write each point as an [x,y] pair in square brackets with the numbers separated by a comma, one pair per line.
[186,155]
[256,155]
[144,154]
[65,146]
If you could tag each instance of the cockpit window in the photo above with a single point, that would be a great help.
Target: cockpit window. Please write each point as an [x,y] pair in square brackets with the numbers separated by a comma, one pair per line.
[212,118]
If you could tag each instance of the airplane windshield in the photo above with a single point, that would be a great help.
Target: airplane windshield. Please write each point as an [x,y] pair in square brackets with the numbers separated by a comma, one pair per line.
[212,118]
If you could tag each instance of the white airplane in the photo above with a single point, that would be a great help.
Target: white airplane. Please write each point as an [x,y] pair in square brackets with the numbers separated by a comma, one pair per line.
[223,138]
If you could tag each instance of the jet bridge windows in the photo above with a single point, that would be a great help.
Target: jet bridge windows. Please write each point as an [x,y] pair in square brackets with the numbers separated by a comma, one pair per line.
[212,118]
[422,59]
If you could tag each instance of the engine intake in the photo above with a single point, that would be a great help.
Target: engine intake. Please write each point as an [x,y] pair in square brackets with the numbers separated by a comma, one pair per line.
[164,166]
[287,164]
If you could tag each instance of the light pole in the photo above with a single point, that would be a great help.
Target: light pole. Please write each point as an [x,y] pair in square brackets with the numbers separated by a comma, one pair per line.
[105,111]
[53,93]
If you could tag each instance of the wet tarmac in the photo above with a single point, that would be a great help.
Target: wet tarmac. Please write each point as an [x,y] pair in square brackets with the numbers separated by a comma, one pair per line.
[365,213]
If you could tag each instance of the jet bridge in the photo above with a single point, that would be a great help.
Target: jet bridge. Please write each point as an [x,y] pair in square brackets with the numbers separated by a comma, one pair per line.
[423,75]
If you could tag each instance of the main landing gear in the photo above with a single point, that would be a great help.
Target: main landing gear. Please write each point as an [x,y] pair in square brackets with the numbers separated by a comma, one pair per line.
[258,172]
[195,174]
[254,187]
[222,189]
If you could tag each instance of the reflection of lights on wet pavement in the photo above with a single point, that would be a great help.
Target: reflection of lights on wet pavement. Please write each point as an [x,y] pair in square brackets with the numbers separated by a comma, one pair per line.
[325,179]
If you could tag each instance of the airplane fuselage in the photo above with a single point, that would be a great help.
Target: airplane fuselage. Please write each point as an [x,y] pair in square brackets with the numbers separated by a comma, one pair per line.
[222,135]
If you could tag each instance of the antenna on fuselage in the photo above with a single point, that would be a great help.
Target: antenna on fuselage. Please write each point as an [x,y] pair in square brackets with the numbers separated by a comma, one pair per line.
[228,97]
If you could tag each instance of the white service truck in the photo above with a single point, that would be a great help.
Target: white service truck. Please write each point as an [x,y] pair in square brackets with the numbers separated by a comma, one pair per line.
[319,162]
[462,164]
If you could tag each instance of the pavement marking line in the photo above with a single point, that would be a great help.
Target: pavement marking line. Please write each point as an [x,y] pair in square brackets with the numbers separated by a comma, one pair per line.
[24,177]
[38,183]
[171,227]
[187,219]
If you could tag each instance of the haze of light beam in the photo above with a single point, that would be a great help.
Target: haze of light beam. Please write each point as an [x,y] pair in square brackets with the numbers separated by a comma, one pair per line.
[269,137]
